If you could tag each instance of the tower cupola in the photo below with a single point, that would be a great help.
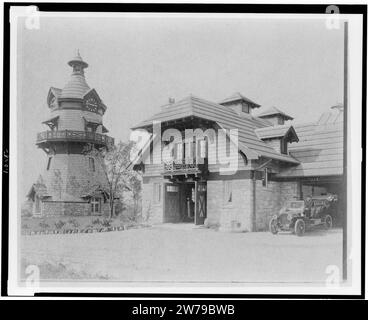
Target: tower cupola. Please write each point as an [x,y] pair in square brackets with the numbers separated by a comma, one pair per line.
[78,64]
[77,86]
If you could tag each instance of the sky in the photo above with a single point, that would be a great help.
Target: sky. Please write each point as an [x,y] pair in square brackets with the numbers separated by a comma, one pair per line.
[137,63]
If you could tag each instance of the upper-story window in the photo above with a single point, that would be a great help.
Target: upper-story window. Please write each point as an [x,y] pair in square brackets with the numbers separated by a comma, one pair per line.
[91,164]
[265,177]
[91,127]
[283,146]
[245,107]
[49,163]
[179,151]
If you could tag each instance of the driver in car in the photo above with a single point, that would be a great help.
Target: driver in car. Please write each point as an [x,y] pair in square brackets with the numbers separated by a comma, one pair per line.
[308,206]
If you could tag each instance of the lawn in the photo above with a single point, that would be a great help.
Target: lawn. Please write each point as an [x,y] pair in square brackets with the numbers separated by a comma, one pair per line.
[166,254]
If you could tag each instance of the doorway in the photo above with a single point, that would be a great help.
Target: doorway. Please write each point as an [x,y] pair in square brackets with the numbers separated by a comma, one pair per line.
[185,202]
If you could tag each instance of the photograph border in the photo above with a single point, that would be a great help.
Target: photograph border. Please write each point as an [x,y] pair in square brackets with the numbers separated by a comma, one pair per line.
[181,8]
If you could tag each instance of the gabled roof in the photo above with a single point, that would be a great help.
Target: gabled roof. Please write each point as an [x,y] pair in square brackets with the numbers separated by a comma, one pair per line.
[277,132]
[274,111]
[320,147]
[55,91]
[51,120]
[95,190]
[38,188]
[239,97]
[225,117]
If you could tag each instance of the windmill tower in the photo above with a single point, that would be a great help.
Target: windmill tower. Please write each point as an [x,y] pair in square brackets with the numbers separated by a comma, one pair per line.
[73,181]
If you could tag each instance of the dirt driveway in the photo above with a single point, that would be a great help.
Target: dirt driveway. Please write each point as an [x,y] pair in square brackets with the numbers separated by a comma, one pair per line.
[181,253]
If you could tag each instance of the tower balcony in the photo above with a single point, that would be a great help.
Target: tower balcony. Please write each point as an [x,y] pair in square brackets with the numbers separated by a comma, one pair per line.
[45,137]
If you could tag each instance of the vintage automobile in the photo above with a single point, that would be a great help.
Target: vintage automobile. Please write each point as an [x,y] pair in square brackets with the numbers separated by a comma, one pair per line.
[299,215]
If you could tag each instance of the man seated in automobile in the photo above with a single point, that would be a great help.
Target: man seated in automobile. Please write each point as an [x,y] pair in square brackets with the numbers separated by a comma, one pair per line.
[308,206]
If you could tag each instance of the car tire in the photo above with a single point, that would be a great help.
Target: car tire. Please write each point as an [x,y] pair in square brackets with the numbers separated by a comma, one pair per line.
[273,226]
[299,227]
[328,222]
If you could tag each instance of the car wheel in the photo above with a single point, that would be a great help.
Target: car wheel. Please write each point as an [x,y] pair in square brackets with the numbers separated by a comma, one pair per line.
[328,222]
[299,227]
[273,226]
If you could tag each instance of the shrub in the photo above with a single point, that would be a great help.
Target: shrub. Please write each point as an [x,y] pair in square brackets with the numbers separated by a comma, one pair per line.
[59,224]
[96,221]
[106,223]
[25,226]
[26,213]
[43,225]
[74,223]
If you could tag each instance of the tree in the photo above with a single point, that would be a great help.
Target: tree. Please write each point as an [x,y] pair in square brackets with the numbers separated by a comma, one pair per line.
[114,162]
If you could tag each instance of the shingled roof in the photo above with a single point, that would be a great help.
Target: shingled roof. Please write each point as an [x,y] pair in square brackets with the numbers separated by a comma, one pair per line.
[225,117]
[277,132]
[239,97]
[320,147]
[274,111]
[77,86]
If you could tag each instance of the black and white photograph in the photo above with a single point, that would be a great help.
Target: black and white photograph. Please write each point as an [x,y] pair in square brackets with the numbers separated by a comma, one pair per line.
[185,152]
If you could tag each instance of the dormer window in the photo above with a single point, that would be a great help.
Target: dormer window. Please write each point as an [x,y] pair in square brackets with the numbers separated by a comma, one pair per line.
[91,125]
[275,116]
[239,103]
[245,108]
[284,146]
[278,137]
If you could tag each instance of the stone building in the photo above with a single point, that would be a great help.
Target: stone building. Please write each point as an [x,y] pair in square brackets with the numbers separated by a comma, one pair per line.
[275,162]
[73,181]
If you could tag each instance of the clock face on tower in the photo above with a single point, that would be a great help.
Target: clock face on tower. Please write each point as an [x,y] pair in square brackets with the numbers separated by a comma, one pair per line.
[91,104]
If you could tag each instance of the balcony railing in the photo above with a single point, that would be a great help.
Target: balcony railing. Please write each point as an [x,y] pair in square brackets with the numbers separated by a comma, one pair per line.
[72,135]
[183,168]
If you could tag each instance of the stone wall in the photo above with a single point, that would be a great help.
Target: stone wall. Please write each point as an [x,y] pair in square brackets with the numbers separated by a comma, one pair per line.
[53,208]
[234,216]
[268,203]
[152,211]
[57,208]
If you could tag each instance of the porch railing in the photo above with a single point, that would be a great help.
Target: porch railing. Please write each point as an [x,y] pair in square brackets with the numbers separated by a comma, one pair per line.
[171,167]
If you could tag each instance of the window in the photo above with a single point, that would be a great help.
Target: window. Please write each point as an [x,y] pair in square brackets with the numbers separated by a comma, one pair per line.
[91,163]
[203,149]
[156,192]
[37,204]
[245,107]
[49,163]
[283,146]
[179,152]
[172,188]
[91,127]
[265,177]
[228,192]
[95,205]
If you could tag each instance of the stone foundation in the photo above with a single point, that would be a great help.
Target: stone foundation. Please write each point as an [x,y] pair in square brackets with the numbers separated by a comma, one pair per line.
[152,211]
[236,216]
